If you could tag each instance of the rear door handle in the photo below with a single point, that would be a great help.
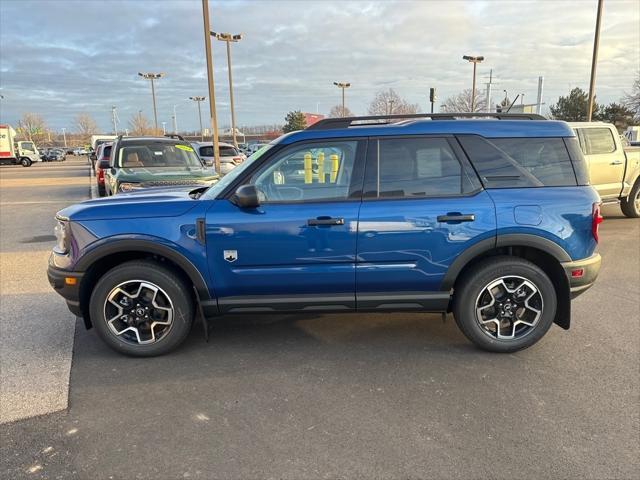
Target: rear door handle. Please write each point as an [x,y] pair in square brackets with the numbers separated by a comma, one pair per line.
[325,221]
[456,218]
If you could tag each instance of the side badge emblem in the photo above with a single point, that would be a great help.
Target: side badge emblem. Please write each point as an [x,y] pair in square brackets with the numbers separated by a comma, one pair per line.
[230,255]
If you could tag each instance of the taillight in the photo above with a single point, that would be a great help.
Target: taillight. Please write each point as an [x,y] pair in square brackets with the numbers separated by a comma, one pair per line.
[100,175]
[596,220]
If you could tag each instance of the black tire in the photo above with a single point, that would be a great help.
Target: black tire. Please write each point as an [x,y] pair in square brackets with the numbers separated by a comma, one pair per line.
[631,205]
[474,282]
[101,191]
[25,162]
[170,284]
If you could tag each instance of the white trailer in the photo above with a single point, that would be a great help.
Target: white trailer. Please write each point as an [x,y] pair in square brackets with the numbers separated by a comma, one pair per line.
[11,152]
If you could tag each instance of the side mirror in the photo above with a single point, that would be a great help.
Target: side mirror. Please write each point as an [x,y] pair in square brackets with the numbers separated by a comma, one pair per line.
[246,196]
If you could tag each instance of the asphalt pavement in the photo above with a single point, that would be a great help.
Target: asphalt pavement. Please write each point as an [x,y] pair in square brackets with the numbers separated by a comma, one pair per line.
[358,396]
[36,330]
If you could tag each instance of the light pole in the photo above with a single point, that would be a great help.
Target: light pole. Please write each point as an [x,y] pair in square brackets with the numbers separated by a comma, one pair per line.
[475,61]
[64,135]
[152,77]
[594,62]
[228,38]
[164,128]
[210,81]
[391,101]
[342,86]
[198,100]
[175,120]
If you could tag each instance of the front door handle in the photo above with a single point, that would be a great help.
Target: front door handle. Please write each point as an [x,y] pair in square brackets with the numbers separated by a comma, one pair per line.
[325,221]
[616,162]
[456,218]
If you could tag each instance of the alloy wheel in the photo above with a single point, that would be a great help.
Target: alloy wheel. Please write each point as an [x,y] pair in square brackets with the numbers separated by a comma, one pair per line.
[139,312]
[509,307]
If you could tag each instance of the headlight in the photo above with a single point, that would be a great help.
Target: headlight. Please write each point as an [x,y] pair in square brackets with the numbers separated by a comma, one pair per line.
[61,231]
[128,187]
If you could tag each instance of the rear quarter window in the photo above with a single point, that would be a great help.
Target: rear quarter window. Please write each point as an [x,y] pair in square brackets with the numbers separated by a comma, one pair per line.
[520,162]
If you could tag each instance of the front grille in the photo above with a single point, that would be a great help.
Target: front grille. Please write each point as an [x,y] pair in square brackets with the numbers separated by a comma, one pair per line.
[167,183]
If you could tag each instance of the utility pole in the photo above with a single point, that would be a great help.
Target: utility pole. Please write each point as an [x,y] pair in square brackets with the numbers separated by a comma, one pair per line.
[342,86]
[391,102]
[488,99]
[228,38]
[113,120]
[432,97]
[198,100]
[594,62]
[210,79]
[539,102]
[164,129]
[152,77]
[475,61]
[64,136]
[175,120]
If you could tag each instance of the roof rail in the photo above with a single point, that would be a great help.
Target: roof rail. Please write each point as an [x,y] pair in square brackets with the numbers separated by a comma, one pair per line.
[175,136]
[346,122]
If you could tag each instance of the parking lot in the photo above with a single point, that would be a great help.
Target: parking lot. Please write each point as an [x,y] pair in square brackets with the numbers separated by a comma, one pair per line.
[370,395]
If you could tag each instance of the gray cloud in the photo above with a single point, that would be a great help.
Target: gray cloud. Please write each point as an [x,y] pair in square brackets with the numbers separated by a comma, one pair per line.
[80,56]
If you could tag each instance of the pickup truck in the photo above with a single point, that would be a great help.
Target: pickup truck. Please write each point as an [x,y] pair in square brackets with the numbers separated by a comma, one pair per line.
[614,169]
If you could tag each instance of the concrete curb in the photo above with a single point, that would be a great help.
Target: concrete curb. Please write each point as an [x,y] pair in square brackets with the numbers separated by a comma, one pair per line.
[93,189]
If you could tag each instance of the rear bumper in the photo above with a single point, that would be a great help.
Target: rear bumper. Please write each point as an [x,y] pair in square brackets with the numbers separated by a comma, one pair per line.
[589,267]
[68,289]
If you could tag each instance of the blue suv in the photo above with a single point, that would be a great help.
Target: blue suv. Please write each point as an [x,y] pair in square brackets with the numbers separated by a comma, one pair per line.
[492,219]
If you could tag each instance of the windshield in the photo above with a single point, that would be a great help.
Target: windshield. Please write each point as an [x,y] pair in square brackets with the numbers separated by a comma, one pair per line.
[158,155]
[216,188]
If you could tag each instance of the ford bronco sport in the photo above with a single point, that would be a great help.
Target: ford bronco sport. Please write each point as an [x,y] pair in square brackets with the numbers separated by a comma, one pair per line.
[490,218]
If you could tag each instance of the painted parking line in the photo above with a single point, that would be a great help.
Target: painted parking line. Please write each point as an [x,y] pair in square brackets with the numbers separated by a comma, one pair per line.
[41,182]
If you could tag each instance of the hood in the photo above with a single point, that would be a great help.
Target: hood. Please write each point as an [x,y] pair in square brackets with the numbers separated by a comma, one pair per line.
[152,203]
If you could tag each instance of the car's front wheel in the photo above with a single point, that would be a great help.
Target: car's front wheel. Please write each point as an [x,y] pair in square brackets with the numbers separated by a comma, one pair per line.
[141,308]
[25,162]
[504,304]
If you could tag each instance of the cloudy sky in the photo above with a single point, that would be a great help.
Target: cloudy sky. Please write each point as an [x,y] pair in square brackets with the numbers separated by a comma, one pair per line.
[60,58]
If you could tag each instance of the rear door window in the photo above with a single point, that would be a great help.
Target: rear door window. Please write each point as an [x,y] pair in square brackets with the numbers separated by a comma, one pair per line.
[415,167]
[520,162]
[598,141]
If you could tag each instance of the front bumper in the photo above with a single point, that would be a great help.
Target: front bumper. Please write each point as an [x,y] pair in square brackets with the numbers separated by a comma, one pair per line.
[67,284]
[590,268]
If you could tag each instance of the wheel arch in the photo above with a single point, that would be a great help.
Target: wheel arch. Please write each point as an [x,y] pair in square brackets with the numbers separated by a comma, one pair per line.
[98,261]
[544,253]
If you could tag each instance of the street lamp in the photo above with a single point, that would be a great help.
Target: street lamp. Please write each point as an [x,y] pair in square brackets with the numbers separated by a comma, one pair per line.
[228,38]
[64,135]
[210,82]
[475,61]
[198,100]
[152,77]
[164,128]
[342,86]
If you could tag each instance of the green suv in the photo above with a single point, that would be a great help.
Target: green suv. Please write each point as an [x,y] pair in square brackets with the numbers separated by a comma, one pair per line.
[145,162]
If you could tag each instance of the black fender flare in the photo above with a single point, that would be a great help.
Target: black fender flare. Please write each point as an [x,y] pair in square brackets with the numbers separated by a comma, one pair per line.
[149,246]
[507,240]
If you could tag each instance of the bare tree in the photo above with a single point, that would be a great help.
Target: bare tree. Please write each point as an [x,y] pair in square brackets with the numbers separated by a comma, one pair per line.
[140,125]
[336,112]
[388,102]
[632,100]
[461,103]
[85,125]
[32,127]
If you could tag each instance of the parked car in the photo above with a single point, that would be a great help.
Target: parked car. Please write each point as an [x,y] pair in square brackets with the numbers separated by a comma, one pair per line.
[79,151]
[230,156]
[493,220]
[614,170]
[144,162]
[102,164]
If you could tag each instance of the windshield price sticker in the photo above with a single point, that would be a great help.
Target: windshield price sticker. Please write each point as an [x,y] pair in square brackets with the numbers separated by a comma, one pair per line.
[185,148]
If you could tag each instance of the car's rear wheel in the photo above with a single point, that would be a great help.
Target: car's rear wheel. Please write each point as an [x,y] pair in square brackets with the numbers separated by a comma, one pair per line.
[101,191]
[631,205]
[141,308]
[504,304]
